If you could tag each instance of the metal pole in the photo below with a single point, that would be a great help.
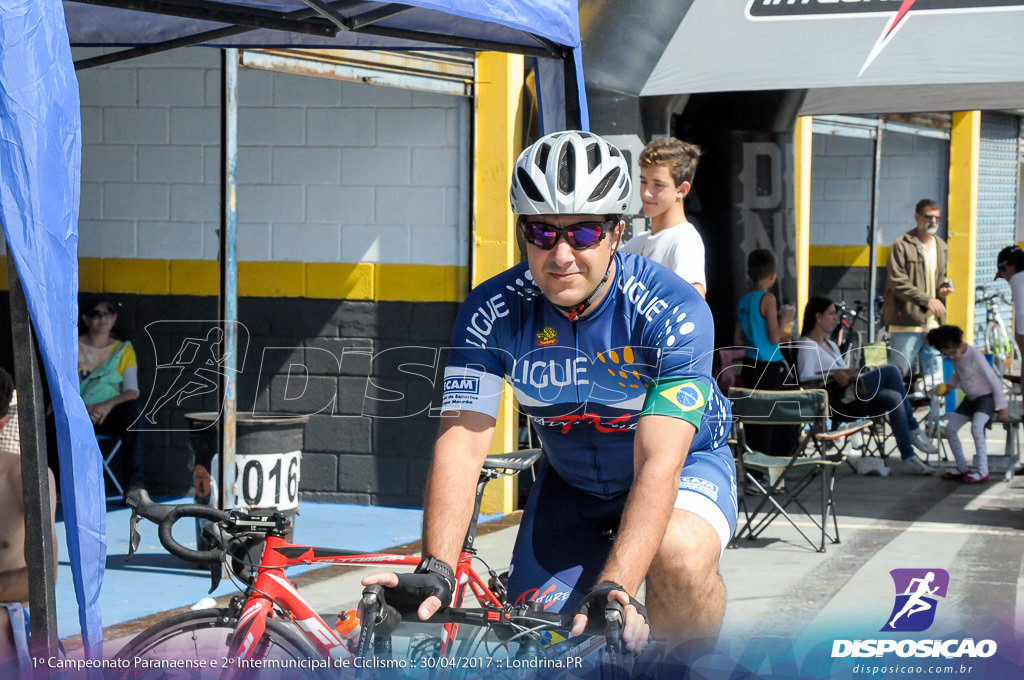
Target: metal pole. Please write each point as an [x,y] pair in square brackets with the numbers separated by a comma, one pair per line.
[228,302]
[573,107]
[876,181]
[35,483]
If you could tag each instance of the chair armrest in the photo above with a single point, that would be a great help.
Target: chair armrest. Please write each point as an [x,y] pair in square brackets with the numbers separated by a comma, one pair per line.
[845,431]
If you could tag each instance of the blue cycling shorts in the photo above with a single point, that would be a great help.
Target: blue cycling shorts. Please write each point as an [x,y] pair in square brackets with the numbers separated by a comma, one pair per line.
[566,535]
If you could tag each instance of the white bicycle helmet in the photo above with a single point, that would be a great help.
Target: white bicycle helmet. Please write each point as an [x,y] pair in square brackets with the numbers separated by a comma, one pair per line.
[570,173]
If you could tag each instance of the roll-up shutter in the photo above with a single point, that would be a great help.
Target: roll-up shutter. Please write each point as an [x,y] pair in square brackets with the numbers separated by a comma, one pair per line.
[997,205]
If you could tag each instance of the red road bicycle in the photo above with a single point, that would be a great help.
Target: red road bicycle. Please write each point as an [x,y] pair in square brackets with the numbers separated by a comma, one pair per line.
[270,628]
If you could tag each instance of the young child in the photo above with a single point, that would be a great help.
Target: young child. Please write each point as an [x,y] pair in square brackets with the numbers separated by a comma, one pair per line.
[760,331]
[667,166]
[760,326]
[983,396]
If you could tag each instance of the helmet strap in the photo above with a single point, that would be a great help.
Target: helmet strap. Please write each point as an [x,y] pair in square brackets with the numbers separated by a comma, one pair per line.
[575,311]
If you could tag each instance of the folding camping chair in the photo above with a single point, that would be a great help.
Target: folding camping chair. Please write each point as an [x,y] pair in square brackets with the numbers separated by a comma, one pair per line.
[877,436]
[779,480]
[109,446]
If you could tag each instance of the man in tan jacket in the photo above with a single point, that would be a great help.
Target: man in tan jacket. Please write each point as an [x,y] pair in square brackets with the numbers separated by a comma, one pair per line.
[915,290]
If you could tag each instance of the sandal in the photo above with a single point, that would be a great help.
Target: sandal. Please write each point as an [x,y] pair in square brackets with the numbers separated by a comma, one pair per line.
[974,478]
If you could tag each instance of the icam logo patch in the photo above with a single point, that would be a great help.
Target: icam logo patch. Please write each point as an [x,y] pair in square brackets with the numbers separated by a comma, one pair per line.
[462,384]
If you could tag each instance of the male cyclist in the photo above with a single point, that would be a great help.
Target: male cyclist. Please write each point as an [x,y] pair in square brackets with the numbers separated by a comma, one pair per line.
[609,354]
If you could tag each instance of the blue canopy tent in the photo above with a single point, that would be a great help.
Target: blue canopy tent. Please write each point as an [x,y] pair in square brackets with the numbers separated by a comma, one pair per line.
[40,160]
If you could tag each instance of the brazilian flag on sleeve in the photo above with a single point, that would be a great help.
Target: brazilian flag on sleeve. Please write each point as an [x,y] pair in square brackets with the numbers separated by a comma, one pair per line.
[684,398]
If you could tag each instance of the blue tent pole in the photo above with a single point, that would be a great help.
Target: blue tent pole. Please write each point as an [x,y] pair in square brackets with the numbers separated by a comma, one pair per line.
[42,577]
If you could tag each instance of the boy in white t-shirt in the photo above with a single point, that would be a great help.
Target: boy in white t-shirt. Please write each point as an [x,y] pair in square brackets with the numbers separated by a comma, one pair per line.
[667,167]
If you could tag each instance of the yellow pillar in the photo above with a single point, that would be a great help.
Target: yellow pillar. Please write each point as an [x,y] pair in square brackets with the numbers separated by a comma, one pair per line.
[498,138]
[802,209]
[964,155]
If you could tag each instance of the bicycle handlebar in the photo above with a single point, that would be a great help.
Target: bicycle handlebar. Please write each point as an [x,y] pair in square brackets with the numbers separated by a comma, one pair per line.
[202,557]
[381,618]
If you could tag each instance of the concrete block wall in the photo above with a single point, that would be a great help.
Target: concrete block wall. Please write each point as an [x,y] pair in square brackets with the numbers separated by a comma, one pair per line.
[329,171]
[350,198]
[335,361]
[913,167]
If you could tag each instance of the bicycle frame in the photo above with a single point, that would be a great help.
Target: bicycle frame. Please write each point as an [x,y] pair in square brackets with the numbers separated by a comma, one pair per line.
[272,595]
[271,588]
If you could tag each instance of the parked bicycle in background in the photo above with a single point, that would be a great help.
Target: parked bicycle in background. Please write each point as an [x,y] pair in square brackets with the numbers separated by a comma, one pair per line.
[853,337]
[998,341]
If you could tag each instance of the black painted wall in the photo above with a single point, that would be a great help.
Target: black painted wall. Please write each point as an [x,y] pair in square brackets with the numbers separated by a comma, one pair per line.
[369,437]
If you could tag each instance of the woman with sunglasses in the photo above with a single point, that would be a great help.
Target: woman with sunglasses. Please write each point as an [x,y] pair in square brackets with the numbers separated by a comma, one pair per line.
[874,392]
[109,383]
[609,355]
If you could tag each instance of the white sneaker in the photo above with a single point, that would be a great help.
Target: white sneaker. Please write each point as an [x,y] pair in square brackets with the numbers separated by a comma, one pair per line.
[921,442]
[916,466]
[857,441]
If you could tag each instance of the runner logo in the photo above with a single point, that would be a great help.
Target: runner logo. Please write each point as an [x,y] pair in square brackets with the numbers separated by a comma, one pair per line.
[916,593]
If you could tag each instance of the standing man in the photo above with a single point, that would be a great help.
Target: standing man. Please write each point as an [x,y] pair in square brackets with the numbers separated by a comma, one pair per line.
[667,166]
[1010,266]
[915,291]
[610,357]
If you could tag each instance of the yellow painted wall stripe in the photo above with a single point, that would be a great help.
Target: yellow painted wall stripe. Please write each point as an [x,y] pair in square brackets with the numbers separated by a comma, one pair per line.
[802,205]
[964,160]
[498,138]
[845,256]
[326,281]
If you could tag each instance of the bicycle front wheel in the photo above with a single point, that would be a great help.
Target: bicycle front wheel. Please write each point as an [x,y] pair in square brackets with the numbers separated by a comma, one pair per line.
[997,343]
[194,646]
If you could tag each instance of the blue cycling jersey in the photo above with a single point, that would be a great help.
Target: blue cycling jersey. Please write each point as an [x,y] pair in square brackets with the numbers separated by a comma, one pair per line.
[645,348]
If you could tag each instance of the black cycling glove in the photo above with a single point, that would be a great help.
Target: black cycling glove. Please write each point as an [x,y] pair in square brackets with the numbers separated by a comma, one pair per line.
[432,577]
[594,604]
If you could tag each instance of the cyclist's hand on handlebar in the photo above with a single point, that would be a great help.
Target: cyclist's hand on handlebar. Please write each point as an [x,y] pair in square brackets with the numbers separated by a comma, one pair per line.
[426,593]
[636,630]
[936,307]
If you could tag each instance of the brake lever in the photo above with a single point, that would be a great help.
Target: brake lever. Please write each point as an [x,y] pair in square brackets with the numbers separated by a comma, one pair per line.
[614,618]
[215,576]
[134,538]
[215,537]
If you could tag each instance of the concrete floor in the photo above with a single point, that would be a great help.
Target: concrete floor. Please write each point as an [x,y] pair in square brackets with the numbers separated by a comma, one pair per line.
[786,603]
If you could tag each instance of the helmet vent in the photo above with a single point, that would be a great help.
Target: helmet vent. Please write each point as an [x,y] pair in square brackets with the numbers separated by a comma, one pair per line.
[541,159]
[625,192]
[529,188]
[567,170]
[604,186]
[593,157]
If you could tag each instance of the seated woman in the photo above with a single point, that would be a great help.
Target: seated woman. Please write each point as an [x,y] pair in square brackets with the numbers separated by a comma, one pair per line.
[877,391]
[109,381]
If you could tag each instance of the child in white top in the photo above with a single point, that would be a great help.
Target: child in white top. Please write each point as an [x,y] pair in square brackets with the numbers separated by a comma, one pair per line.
[983,397]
